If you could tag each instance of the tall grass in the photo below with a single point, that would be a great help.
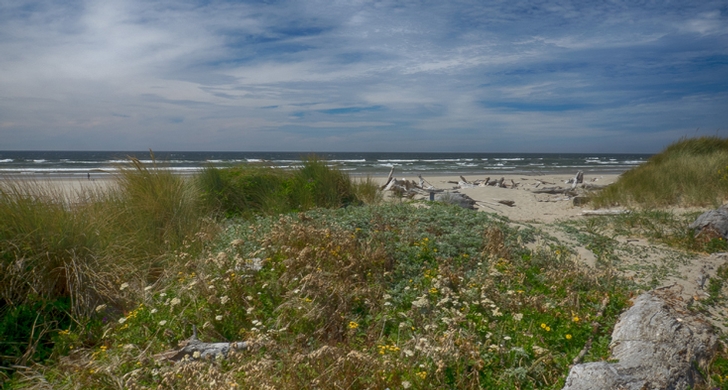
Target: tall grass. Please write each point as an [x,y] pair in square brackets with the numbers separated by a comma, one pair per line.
[63,254]
[251,190]
[690,172]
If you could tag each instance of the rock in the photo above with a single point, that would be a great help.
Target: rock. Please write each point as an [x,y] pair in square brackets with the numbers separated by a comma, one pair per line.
[713,222]
[657,344]
[456,198]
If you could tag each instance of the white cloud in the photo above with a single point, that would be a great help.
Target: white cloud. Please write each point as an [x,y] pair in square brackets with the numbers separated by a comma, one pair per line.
[121,74]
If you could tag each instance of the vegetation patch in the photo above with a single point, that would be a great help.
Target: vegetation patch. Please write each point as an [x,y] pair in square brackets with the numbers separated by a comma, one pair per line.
[690,172]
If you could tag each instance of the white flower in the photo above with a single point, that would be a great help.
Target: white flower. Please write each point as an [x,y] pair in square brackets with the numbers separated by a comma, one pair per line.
[218,318]
[123,286]
[421,302]
[224,299]
[175,301]
[406,385]
[163,294]
[409,352]
[507,338]
[100,308]
[196,355]
[518,316]
[148,288]
[153,311]
[163,322]
[122,320]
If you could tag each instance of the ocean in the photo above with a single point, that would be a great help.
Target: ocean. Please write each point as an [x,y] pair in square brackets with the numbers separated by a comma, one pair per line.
[81,163]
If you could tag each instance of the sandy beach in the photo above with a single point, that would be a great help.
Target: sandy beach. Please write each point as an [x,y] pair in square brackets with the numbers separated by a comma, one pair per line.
[527,206]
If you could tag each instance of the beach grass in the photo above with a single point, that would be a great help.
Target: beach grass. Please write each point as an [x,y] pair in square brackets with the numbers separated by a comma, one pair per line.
[689,172]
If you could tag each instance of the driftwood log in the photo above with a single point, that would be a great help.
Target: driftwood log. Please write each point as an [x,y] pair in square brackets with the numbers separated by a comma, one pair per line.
[657,344]
[193,349]
[712,224]
[604,212]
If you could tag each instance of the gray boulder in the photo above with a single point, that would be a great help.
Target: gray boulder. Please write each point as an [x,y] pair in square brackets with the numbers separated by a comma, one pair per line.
[712,222]
[456,198]
[657,344]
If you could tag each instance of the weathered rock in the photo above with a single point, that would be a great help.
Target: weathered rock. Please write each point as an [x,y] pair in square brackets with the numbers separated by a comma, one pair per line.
[657,344]
[712,222]
[456,198]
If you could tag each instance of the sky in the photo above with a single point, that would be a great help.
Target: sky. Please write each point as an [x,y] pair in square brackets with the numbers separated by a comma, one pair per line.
[363,76]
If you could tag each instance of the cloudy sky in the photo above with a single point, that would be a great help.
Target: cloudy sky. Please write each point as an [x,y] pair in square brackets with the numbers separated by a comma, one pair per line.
[309,75]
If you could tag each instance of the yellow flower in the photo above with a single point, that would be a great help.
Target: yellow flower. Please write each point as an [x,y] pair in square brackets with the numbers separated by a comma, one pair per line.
[353,325]
[433,291]
[568,337]
[543,326]
[422,374]
[575,319]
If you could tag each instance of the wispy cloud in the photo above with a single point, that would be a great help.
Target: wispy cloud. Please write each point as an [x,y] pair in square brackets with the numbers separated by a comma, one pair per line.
[469,75]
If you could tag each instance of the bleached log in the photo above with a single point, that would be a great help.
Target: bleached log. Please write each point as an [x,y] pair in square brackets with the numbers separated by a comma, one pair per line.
[552,190]
[389,178]
[589,186]
[578,179]
[604,212]
[193,349]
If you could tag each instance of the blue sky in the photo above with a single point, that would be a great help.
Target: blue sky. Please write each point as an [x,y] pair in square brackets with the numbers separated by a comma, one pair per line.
[471,76]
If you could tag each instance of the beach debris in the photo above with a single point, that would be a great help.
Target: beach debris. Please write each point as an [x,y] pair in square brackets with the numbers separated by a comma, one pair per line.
[711,224]
[604,212]
[578,179]
[456,198]
[194,349]
[657,344]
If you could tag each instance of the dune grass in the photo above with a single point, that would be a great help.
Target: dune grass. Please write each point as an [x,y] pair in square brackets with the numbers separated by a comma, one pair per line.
[251,190]
[690,172]
[63,255]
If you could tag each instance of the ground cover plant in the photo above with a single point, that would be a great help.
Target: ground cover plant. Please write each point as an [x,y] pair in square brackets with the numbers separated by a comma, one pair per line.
[390,296]
[690,172]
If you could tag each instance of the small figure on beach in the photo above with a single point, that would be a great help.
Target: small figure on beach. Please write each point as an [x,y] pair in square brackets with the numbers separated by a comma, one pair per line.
[88,175]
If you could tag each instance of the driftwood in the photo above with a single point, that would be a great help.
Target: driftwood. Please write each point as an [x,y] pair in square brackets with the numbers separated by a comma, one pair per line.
[578,179]
[604,212]
[657,344]
[554,191]
[509,203]
[193,349]
[712,224]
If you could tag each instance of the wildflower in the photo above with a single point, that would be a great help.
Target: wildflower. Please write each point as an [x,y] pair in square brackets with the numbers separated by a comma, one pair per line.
[175,301]
[575,319]
[153,311]
[568,337]
[353,325]
[123,286]
[422,374]
[433,291]
[218,317]
[162,323]
[224,299]
[100,308]
[518,316]
[406,385]
[122,320]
